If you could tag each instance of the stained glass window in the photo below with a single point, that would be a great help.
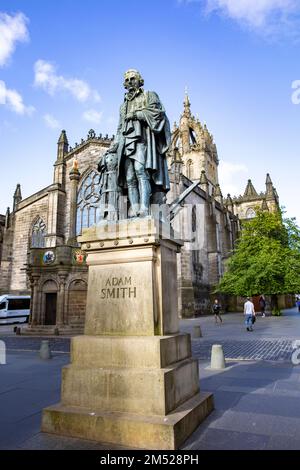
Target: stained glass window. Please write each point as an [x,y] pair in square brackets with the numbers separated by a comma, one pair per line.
[38,234]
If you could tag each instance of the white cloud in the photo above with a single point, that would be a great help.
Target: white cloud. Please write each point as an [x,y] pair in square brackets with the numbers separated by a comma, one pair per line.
[264,16]
[92,116]
[13,100]
[47,79]
[256,13]
[13,29]
[51,122]
[232,178]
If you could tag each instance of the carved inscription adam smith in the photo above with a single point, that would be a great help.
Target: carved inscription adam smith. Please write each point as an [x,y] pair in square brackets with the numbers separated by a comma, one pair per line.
[118,288]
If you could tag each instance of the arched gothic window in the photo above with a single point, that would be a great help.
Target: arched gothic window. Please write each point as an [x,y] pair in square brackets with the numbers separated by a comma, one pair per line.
[193,139]
[189,169]
[250,214]
[194,219]
[38,234]
[88,202]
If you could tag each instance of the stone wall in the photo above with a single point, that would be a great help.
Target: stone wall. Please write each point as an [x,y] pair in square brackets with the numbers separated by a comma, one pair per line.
[76,301]
[2,223]
[207,229]
[25,216]
[6,256]
[241,208]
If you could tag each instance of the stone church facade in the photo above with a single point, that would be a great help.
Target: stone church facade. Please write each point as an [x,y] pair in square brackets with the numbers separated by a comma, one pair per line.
[39,252]
[246,205]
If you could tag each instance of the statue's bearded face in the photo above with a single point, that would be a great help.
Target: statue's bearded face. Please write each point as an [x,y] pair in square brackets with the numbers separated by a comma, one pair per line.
[132,82]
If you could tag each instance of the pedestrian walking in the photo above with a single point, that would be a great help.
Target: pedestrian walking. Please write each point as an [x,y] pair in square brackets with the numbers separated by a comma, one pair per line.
[262,304]
[249,313]
[298,304]
[216,308]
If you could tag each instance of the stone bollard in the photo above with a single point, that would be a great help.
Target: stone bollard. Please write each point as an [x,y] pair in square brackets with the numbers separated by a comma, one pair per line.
[217,357]
[45,352]
[197,333]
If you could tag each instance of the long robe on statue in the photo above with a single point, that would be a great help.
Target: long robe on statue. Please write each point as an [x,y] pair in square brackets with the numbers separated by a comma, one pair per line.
[145,139]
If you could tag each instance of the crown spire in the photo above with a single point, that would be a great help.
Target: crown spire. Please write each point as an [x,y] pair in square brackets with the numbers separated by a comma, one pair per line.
[187,104]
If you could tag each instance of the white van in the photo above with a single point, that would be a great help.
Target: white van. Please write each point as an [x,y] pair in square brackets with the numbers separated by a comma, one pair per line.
[14,309]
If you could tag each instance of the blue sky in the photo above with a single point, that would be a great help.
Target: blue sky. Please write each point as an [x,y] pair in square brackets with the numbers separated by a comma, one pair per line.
[62,65]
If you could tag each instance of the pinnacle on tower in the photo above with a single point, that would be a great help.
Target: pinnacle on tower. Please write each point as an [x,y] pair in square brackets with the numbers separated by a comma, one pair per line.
[203,181]
[264,206]
[7,217]
[229,204]
[229,201]
[17,197]
[187,105]
[268,179]
[218,190]
[63,137]
[218,194]
[62,145]
[250,190]
[18,194]
[203,177]
[270,190]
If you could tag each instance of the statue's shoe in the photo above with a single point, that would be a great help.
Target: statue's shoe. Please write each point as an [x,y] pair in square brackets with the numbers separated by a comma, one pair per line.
[133,213]
[143,212]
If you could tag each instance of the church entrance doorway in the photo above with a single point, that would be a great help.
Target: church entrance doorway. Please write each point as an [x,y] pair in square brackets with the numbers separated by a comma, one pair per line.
[50,310]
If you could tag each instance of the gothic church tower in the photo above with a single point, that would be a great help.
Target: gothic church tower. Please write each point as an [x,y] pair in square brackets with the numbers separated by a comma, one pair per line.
[194,144]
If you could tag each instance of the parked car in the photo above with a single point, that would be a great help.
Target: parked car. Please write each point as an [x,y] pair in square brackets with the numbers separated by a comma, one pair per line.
[14,309]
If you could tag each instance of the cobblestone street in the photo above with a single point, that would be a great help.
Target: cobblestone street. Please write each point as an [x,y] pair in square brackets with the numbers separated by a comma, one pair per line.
[271,340]
[268,350]
[255,349]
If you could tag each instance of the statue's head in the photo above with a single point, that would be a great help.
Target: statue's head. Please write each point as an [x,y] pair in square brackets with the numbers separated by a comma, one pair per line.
[133,80]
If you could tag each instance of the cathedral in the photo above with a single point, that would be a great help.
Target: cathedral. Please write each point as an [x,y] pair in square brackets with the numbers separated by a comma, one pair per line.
[40,255]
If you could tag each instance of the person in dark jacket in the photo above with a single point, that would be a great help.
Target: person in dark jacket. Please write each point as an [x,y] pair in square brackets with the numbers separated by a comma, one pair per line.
[216,308]
[262,304]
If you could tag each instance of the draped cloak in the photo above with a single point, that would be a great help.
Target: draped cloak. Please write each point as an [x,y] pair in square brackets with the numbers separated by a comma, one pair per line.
[145,139]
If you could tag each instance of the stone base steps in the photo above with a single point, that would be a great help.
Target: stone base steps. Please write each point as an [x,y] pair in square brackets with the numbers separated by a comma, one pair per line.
[158,432]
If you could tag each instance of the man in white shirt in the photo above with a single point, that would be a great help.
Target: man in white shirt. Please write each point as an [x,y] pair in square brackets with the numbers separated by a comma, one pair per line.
[249,312]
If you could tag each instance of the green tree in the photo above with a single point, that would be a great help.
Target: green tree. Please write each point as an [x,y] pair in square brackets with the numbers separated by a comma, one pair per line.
[266,259]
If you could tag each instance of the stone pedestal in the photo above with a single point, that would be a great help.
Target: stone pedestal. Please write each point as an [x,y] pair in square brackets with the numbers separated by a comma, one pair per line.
[132,380]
